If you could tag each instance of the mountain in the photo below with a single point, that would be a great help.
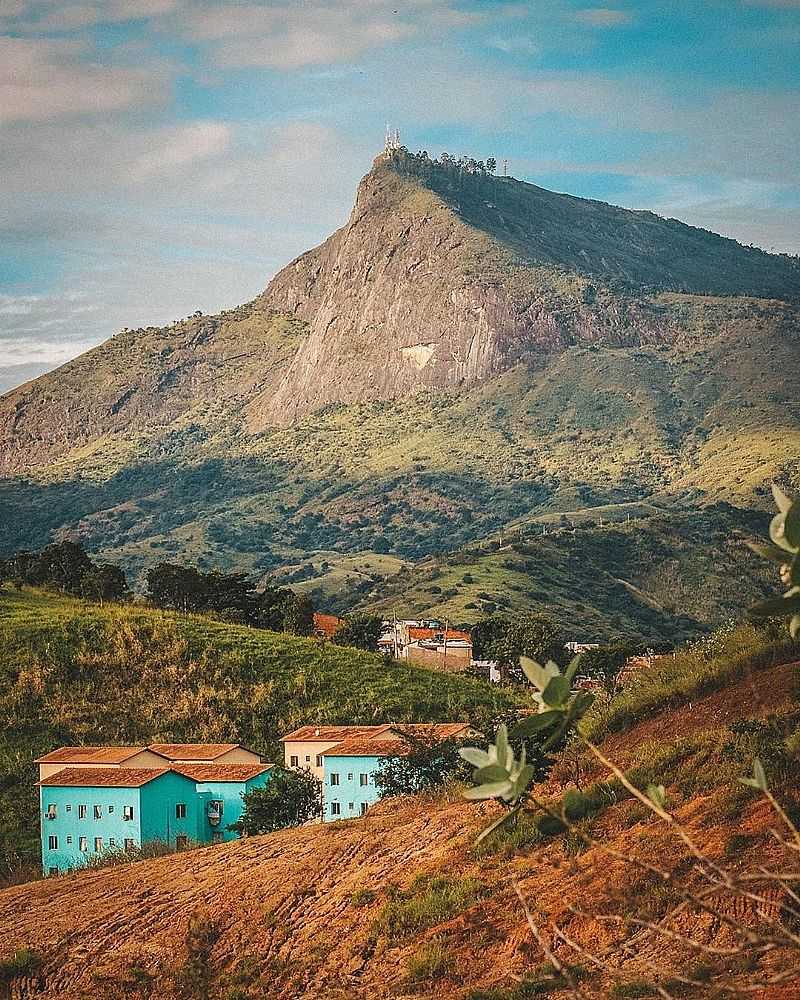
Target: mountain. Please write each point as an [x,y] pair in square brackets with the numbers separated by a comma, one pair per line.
[400,903]
[466,351]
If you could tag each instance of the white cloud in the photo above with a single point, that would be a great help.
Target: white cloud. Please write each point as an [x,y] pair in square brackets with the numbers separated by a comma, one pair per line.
[173,150]
[603,17]
[42,79]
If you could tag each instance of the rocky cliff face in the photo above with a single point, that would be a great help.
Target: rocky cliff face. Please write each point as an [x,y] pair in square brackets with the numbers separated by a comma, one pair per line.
[408,296]
[438,281]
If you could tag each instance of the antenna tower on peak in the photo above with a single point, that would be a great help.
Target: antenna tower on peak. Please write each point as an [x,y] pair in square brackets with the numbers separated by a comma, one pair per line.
[392,139]
[505,168]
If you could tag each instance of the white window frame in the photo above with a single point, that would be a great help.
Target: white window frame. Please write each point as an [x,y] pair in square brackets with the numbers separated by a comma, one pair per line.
[127,812]
[52,842]
[363,779]
[82,812]
[334,778]
[180,810]
[294,760]
[336,809]
[83,845]
[98,840]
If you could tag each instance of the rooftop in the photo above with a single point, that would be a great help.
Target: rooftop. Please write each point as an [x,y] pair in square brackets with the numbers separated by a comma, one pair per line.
[91,755]
[221,772]
[193,751]
[369,748]
[102,777]
[324,734]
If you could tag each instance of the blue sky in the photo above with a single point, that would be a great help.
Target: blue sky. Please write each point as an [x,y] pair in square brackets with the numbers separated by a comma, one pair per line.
[162,156]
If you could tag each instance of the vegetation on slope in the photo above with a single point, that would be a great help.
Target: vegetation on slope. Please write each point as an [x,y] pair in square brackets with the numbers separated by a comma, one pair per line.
[72,672]
[667,575]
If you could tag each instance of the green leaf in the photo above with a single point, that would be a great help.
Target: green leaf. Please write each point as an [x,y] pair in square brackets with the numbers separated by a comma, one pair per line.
[768,551]
[536,723]
[474,756]
[504,751]
[777,532]
[777,607]
[537,674]
[557,691]
[572,669]
[657,795]
[791,525]
[492,772]
[782,502]
[491,790]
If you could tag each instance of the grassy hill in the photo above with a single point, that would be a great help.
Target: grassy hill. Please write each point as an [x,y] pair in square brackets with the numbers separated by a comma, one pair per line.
[73,672]
[665,573]
[400,904]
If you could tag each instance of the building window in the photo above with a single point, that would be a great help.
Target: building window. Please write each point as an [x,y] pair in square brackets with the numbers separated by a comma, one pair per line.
[81,812]
[181,842]
[52,871]
[335,809]
[112,842]
[363,779]
[129,844]
[127,812]
[180,810]
[308,759]
[351,806]
[98,845]
[350,777]
[69,840]
[319,760]
[83,844]
[363,808]
[52,812]
[52,843]
[334,778]
[98,812]
[294,761]
[68,808]
[110,810]
[217,836]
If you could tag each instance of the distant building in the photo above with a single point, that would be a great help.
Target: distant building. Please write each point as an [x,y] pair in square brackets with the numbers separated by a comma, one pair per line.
[428,643]
[346,758]
[96,800]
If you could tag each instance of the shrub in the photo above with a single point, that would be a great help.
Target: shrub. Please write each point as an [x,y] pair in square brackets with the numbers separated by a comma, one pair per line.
[432,961]
[362,897]
[430,900]
[23,962]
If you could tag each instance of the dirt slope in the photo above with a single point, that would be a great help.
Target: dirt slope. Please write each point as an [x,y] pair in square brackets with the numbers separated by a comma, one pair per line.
[276,916]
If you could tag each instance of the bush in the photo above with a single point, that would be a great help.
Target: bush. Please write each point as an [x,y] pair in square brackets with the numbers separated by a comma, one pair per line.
[432,961]
[290,798]
[23,962]
[430,900]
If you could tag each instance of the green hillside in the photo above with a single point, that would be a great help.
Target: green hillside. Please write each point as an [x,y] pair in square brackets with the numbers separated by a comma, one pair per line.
[663,574]
[73,672]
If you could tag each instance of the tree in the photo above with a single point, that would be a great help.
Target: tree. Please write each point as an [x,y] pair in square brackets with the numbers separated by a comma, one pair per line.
[605,664]
[63,565]
[291,798]
[424,764]
[505,639]
[105,582]
[361,631]
[298,616]
[491,164]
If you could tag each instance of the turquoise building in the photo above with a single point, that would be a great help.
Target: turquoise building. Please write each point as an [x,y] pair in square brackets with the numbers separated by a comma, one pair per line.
[349,776]
[88,811]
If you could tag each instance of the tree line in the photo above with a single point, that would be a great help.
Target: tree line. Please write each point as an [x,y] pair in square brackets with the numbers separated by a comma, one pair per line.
[67,568]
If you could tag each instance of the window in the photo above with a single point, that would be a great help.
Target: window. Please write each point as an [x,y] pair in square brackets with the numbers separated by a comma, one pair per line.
[68,808]
[319,760]
[127,812]
[81,812]
[52,871]
[181,842]
[308,759]
[52,812]
[334,778]
[69,840]
[83,844]
[98,845]
[350,777]
[112,842]
[363,779]
[129,844]
[351,806]
[216,805]
[180,810]
[217,836]
[363,808]
[52,843]
[294,761]
[98,812]
[335,809]
[110,810]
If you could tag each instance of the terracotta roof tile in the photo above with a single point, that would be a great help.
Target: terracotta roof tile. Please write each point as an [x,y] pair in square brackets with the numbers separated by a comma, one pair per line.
[369,748]
[192,751]
[221,772]
[416,632]
[90,755]
[328,625]
[102,777]
[324,734]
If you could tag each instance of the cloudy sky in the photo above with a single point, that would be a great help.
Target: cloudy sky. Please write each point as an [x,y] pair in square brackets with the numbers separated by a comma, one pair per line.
[162,156]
